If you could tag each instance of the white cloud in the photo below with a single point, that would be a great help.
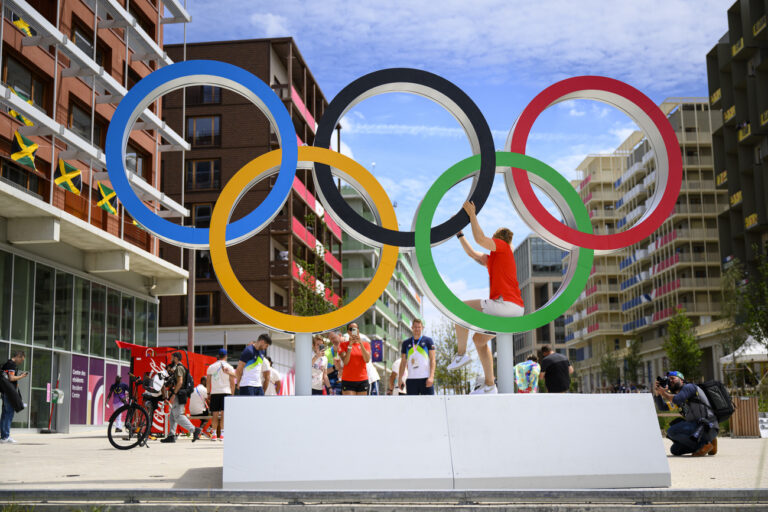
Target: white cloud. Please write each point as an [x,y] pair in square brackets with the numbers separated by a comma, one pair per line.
[493,41]
[270,25]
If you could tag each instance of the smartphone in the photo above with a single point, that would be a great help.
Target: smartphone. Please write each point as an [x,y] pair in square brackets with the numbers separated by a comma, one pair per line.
[354,331]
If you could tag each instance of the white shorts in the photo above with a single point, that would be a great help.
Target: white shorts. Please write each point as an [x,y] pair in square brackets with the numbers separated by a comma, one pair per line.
[500,307]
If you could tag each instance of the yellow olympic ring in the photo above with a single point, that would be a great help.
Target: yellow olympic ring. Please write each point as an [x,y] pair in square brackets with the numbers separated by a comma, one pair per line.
[244,301]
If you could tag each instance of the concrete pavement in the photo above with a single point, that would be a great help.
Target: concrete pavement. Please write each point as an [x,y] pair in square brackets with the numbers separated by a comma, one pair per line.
[86,460]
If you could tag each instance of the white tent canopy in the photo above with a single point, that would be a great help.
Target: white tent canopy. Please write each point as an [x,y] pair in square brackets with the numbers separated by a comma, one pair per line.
[750,352]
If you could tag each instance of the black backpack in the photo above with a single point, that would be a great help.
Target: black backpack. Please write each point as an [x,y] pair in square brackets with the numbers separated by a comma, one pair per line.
[719,399]
[188,386]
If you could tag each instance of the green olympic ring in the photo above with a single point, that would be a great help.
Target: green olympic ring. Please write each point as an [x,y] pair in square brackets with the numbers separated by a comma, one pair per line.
[443,297]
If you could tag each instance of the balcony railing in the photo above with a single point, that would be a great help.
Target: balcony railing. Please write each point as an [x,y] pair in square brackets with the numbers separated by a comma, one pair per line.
[715,97]
[750,221]
[358,273]
[736,198]
[386,311]
[759,26]
[764,118]
[737,47]
[745,132]
[722,178]
[729,114]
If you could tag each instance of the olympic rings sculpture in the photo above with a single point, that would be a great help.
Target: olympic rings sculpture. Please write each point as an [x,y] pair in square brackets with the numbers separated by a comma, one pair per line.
[574,234]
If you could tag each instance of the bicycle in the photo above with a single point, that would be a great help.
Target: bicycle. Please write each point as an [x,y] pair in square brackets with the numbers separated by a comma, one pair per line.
[137,424]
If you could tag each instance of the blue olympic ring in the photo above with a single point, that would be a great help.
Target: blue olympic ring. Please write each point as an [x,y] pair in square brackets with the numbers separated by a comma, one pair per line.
[183,74]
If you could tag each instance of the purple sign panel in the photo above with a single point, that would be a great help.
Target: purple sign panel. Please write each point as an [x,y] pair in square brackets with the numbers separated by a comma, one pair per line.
[96,392]
[78,414]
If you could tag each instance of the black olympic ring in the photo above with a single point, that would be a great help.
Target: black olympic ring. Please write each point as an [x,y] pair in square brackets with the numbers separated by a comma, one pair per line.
[444,93]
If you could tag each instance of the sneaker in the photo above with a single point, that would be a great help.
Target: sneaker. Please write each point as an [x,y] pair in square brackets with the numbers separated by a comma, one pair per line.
[4,440]
[118,430]
[10,440]
[196,435]
[170,439]
[486,390]
[460,361]
[213,437]
[221,437]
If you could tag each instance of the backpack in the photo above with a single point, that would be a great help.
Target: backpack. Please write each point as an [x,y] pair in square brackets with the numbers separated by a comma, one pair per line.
[719,399]
[188,385]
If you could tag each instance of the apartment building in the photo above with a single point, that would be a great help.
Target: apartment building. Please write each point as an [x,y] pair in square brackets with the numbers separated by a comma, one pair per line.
[76,273]
[633,293]
[390,318]
[737,70]
[539,274]
[225,132]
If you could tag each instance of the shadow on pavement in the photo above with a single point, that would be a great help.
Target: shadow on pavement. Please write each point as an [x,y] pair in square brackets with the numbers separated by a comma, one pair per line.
[200,478]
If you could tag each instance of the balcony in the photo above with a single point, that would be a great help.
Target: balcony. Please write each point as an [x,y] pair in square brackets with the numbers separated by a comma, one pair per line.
[736,198]
[716,96]
[371,329]
[737,47]
[729,114]
[764,118]
[758,28]
[316,207]
[744,132]
[386,311]
[311,281]
[722,178]
[358,273]
[750,221]
[304,234]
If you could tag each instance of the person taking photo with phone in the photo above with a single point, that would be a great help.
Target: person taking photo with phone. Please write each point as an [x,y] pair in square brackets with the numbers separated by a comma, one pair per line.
[319,368]
[355,354]
[11,370]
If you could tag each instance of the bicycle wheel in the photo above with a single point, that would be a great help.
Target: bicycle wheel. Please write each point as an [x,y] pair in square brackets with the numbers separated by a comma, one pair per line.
[132,430]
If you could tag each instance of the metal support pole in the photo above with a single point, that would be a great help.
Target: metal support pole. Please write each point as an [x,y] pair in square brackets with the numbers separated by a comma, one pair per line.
[191,301]
[505,362]
[303,364]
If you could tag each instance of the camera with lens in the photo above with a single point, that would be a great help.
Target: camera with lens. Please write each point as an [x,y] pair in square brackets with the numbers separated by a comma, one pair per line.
[663,381]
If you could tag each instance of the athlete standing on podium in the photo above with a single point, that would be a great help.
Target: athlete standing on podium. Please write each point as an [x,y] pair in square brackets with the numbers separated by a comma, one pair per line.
[504,298]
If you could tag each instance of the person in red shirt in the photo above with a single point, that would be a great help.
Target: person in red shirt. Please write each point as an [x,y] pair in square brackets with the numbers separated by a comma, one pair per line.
[355,354]
[504,298]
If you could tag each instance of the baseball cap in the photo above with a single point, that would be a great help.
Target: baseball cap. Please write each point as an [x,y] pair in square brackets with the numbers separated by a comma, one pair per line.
[222,352]
[675,373]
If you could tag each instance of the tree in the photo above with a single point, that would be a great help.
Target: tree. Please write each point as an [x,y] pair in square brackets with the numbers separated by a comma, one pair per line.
[454,382]
[683,351]
[633,361]
[732,308]
[609,365]
[755,299]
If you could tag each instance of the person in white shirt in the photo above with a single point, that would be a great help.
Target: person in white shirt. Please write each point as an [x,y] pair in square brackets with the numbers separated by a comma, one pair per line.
[221,382]
[275,384]
[319,367]
[396,385]
[198,404]
[373,378]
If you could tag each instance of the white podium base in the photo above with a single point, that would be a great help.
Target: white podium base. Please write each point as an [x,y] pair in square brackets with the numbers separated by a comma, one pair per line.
[415,443]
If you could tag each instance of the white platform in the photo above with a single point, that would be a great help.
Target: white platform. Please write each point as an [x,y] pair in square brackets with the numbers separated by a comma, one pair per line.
[481,442]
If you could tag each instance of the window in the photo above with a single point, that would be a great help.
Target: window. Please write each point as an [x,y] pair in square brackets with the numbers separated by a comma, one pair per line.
[203,174]
[98,319]
[203,308]
[151,324]
[126,331]
[113,323]
[23,290]
[133,78]
[204,131]
[62,319]
[141,322]
[202,215]
[203,95]
[6,262]
[278,300]
[84,41]
[80,123]
[135,160]
[24,81]
[203,266]
[21,177]
[80,325]
[43,335]
[146,25]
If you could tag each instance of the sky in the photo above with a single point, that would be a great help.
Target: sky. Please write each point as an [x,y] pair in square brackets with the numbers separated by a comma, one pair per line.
[502,54]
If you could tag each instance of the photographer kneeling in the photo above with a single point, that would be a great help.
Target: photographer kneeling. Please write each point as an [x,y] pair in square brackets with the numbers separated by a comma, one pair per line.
[696,431]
